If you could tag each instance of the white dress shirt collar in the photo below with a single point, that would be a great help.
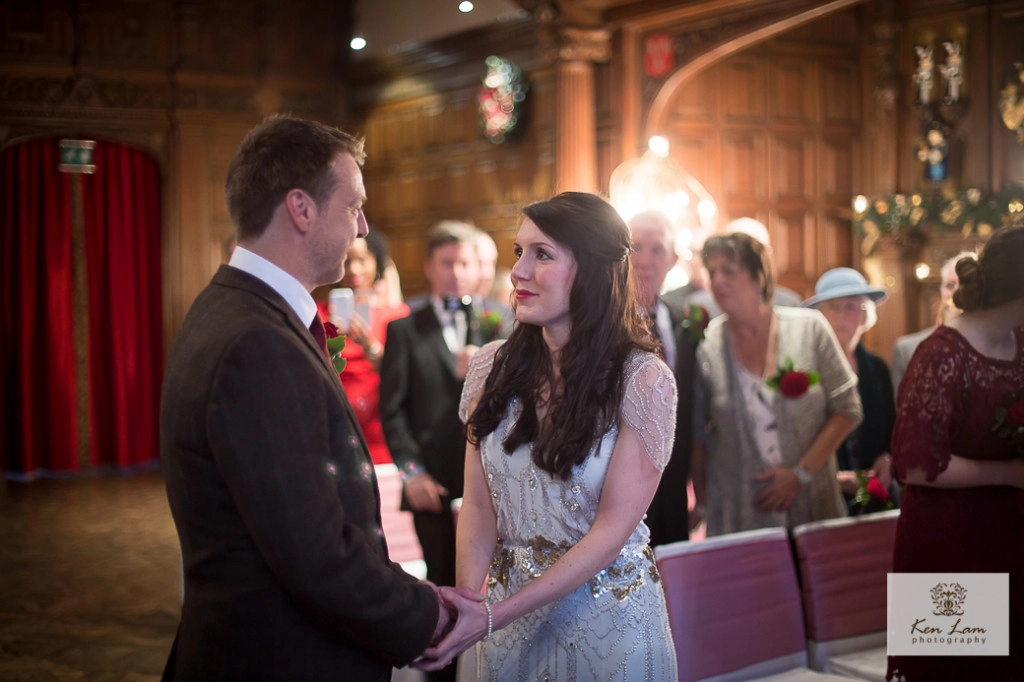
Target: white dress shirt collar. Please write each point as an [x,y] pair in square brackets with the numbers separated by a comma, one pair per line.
[290,289]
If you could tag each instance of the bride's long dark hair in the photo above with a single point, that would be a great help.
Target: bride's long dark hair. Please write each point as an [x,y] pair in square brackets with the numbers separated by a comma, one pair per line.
[605,325]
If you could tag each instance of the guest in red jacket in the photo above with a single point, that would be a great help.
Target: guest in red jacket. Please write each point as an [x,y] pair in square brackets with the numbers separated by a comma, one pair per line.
[367,259]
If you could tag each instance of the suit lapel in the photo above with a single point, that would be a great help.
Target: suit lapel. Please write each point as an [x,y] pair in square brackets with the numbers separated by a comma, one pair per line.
[233,277]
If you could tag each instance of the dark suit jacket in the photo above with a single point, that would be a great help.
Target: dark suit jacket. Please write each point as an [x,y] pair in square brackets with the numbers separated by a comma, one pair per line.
[667,516]
[419,400]
[287,575]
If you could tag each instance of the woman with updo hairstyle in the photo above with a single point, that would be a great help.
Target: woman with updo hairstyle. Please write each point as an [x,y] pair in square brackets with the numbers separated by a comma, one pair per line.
[570,425]
[963,505]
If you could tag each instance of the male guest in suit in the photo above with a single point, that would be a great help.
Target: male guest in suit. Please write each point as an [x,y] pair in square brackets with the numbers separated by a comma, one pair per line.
[653,256]
[421,376]
[287,575]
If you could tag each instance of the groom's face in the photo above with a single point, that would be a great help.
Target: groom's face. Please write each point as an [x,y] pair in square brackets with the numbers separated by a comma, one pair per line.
[339,220]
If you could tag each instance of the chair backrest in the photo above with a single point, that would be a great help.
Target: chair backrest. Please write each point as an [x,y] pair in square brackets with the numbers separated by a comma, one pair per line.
[843,566]
[733,602]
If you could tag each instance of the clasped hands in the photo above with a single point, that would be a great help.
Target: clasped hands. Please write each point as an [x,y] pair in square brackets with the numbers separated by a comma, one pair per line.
[783,487]
[463,623]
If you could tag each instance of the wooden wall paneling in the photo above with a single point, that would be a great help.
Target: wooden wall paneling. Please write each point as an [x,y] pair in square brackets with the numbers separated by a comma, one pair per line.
[744,163]
[793,91]
[841,94]
[793,245]
[793,180]
[837,169]
[1007,154]
[698,100]
[742,90]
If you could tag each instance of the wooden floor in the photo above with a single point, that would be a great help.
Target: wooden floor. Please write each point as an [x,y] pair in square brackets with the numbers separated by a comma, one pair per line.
[90,579]
[90,575]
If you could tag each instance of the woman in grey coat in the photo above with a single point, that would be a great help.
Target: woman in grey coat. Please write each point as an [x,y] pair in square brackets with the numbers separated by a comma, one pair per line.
[776,398]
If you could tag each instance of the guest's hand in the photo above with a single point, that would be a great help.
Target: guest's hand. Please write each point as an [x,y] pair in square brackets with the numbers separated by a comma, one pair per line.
[882,468]
[424,493]
[470,628]
[696,516]
[780,493]
[462,359]
[848,482]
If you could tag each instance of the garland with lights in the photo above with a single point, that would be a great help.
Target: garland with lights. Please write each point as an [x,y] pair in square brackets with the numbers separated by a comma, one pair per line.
[912,217]
[501,99]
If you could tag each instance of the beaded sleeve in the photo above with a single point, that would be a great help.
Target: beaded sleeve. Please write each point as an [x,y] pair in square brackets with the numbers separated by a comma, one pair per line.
[649,405]
[479,368]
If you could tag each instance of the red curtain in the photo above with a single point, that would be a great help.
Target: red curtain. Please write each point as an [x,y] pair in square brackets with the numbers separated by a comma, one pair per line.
[37,361]
[122,240]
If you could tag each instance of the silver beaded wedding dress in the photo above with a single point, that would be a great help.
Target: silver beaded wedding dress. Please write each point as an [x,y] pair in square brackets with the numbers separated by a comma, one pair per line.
[614,626]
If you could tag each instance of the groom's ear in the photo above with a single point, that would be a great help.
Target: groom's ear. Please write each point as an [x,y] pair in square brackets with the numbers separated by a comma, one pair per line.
[301,209]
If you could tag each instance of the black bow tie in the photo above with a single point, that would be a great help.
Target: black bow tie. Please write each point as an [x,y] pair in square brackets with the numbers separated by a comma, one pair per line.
[453,303]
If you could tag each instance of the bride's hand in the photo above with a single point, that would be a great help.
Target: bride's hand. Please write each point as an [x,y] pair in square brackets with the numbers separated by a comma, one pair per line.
[471,626]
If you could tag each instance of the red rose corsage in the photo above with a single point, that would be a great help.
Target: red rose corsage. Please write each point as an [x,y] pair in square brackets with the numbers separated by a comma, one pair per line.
[1010,424]
[792,382]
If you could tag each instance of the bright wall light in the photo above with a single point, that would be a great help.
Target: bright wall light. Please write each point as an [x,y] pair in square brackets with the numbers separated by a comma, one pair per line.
[357,43]
[922,270]
[465,6]
[658,145]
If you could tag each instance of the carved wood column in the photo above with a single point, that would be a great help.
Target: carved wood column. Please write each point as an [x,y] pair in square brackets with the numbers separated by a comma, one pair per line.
[576,141]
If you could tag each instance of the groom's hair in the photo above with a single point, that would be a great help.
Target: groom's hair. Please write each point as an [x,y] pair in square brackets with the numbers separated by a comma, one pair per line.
[281,154]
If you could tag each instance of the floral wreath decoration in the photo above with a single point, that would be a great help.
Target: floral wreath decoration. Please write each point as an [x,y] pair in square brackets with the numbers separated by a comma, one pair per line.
[501,100]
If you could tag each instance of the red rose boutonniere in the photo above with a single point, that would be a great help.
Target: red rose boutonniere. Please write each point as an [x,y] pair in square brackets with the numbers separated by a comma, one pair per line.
[871,496]
[335,344]
[792,382]
[1010,424]
[695,322]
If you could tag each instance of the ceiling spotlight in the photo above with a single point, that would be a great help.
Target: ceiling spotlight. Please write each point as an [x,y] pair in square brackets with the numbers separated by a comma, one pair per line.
[465,6]
[358,43]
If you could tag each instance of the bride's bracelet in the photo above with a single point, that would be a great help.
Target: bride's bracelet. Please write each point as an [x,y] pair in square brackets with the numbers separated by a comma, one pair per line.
[490,621]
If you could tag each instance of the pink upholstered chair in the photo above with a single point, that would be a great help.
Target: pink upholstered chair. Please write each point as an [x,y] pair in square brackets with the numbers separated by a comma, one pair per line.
[734,607]
[843,566]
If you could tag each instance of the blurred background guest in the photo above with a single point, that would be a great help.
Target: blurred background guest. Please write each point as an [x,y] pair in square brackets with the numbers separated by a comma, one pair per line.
[848,303]
[495,311]
[697,291]
[766,455]
[963,507]
[906,345]
[652,256]
[364,267]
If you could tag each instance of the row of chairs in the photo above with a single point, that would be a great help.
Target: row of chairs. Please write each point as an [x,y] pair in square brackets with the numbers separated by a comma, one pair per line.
[739,612]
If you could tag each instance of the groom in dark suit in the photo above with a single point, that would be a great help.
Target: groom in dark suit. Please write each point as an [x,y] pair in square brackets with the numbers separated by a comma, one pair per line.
[287,575]
[654,254]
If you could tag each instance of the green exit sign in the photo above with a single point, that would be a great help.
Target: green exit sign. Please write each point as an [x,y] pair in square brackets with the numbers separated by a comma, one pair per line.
[76,156]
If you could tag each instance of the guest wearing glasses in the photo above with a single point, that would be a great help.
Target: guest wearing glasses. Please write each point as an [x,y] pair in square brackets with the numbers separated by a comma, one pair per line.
[848,303]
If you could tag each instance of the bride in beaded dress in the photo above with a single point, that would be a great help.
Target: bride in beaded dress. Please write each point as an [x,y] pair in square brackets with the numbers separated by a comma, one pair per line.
[570,425]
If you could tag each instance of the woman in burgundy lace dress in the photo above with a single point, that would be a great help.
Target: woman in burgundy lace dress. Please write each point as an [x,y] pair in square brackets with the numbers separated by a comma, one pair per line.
[963,509]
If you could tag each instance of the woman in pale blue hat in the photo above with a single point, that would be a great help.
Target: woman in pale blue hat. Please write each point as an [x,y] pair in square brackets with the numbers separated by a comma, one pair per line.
[848,303]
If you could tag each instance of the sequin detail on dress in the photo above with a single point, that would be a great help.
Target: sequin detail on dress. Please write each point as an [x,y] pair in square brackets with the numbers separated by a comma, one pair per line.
[614,626]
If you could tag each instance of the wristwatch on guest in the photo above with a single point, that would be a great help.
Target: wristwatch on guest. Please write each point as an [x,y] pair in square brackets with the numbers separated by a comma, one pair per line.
[802,475]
